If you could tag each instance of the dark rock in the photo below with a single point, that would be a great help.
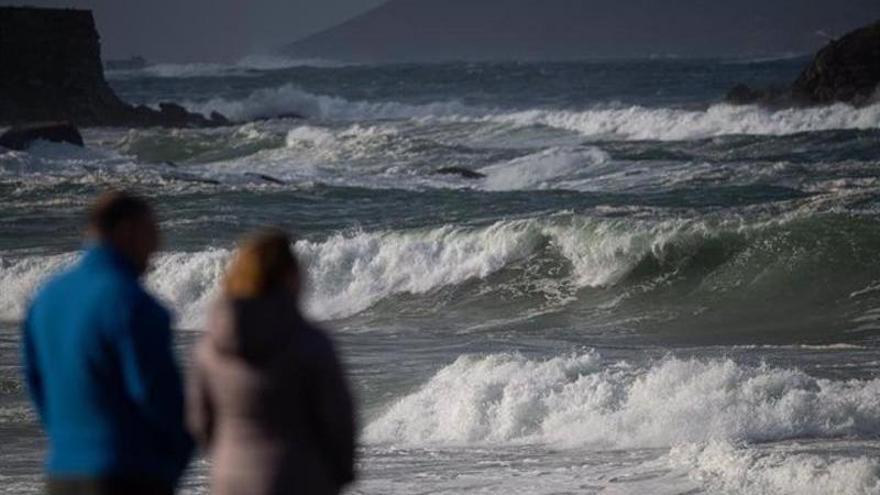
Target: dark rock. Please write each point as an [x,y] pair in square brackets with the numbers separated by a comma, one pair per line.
[51,60]
[847,70]
[465,173]
[219,119]
[285,115]
[173,111]
[264,177]
[20,138]
[742,94]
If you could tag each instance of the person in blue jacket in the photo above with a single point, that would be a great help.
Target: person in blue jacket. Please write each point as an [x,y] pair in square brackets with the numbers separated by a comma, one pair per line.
[100,368]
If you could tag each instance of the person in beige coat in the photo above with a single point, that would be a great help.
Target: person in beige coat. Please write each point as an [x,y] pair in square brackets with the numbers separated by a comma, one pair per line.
[267,397]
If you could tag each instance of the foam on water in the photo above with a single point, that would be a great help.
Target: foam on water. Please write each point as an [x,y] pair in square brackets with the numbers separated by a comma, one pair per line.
[669,124]
[20,277]
[289,99]
[186,281]
[189,282]
[395,155]
[724,467]
[350,272]
[542,170]
[347,273]
[579,402]
[354,142]
[618,122]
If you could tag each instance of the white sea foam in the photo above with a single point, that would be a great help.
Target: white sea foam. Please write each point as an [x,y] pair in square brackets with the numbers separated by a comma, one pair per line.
[355,142]
[642,123]
[186,281]
[618,122]
[723,467]
[349,272]
[289,99]
[544,169]
[20,277]
[189,282]
[577,401]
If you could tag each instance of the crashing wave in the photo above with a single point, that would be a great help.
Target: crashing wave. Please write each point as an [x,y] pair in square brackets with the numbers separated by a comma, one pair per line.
[348,273]
[544,169]
[351,272]
[612,122]
[290,99]
[724,468]
[579,401]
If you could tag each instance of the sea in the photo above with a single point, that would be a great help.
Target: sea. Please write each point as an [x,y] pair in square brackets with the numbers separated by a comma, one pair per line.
[641,290]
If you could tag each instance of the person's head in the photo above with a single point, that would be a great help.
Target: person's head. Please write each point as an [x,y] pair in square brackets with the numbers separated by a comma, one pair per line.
[127,223]
[263,265]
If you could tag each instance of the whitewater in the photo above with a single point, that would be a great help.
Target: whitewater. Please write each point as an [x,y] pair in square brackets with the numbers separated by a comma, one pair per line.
[636,288]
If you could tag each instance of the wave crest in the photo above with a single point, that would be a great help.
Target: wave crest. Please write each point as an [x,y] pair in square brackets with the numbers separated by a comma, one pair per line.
[744,261]
[723,467]
[577,401]
[601,122]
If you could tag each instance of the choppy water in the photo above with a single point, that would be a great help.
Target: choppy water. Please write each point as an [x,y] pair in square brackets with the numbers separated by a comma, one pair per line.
[650,291]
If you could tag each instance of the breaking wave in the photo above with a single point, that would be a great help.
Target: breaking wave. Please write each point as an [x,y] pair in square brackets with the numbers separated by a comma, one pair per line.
[668,124]
[611,122]
[722,467]
[348,273]
[579,401]
[290,99]
[351,272]
[543,169]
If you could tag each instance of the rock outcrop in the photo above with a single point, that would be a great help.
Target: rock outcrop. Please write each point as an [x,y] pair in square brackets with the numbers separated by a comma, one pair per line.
[462,172]
[50,61]
[20,138]
[845,71]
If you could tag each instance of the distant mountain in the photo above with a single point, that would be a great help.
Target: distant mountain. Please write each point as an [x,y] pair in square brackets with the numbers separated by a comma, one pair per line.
[437,30]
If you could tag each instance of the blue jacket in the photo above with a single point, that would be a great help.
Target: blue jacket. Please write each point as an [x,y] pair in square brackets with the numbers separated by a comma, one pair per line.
[100,370]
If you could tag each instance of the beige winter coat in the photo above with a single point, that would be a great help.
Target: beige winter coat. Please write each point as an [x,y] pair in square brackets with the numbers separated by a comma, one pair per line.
[269,401]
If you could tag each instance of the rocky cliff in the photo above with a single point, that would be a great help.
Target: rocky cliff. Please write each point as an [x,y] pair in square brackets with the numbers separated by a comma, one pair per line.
[847,70]
[50,70]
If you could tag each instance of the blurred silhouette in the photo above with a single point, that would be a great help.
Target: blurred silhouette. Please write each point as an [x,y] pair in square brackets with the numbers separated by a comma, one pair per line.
[99,364]
[268,397]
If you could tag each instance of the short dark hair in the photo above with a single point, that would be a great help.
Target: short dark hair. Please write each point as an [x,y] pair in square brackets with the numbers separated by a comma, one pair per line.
[115,207]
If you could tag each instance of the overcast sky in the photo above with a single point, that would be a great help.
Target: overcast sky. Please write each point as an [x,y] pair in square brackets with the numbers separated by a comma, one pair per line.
[205,30]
